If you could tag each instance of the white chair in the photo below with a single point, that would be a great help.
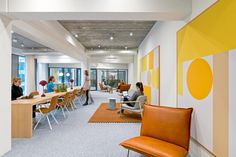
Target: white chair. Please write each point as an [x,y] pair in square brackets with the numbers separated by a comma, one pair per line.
[138,107]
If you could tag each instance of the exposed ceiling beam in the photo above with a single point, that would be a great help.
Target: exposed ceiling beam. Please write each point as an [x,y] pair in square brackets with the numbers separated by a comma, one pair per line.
[51,34]
[98,9]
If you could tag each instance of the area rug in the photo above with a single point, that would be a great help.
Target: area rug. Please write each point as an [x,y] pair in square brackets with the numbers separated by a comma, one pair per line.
[104,115]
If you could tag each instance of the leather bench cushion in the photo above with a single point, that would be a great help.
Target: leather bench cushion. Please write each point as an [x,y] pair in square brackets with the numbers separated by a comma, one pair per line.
[153,147]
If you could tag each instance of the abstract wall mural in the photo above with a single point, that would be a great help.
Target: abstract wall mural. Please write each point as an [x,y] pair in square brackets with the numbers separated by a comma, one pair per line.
[204,61]
[150,75]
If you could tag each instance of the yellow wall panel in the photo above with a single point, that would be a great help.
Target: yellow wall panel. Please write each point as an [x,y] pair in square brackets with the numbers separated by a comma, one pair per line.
[210,33]
[148,93]
[151,60]
[144,64]
[155,78]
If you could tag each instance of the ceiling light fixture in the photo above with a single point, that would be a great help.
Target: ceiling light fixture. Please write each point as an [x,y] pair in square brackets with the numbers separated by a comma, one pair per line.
[15,40]
[131,34]
[111,38]
[99,46]
[22,45]
[76,35]
[126,47]
[12,31]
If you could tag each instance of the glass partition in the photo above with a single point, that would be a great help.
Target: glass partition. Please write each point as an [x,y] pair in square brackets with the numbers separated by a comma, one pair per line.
[112,76]
[93,79]
[63,75]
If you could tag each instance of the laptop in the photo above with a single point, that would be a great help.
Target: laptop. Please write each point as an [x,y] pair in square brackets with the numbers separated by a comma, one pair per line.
[125,93]
[30,96]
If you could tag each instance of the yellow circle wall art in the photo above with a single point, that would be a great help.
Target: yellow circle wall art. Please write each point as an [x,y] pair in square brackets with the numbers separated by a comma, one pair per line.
[199,79]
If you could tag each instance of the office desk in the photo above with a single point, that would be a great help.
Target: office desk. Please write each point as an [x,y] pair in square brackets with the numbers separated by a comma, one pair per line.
[22,114]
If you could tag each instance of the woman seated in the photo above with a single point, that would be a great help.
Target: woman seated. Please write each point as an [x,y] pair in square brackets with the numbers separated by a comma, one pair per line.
[17,93]
[105,86]
[16,90]
[137,93]
[51,85]
[122,82]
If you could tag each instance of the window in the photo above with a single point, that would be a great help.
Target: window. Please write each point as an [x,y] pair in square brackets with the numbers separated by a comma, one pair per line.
[79,76]
[70,73]
[63,75]
[21,71]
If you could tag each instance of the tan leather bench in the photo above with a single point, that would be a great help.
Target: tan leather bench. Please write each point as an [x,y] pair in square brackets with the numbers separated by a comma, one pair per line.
[165,132]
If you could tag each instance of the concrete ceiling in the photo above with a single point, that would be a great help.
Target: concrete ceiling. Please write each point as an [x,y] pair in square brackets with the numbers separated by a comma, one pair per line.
[91,34]
[27,45]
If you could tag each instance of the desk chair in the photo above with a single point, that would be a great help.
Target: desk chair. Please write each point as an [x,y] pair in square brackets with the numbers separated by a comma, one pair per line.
[44,111]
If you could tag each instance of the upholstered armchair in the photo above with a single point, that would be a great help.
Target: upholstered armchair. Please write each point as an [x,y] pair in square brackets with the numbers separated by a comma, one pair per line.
[165,132]
[138,106]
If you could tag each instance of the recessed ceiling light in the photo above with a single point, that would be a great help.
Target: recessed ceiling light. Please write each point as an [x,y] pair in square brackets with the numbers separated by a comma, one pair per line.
[126,47]
[76,35]
[15,40]
[22,45]
[111,38]
[99,46]
[131,34]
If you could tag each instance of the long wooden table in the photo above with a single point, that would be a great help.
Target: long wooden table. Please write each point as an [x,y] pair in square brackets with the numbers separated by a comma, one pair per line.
[22,114]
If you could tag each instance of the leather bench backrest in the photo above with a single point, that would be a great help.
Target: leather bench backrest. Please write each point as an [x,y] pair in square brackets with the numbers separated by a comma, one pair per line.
[168,124]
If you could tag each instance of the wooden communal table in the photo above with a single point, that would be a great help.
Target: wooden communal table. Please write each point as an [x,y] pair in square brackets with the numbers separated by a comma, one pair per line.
[22,114]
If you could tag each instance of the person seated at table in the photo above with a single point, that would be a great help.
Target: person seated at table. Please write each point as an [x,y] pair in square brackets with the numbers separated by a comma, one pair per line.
[51,85]
[122,82]
[105,86]
[136,94]
[16,90]
[17,93]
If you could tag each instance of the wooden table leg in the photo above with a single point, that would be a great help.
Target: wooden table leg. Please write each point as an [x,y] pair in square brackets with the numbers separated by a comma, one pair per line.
[21,121]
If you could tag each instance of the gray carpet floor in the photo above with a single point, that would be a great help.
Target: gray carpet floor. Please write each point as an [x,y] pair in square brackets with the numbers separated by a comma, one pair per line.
[75,137]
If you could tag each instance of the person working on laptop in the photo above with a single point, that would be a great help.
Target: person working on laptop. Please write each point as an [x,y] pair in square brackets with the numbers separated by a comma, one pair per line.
[137,93]
[16,90]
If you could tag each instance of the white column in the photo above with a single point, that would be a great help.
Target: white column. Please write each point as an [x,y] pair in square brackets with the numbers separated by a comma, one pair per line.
[131,74]
[5,84]
[30,74]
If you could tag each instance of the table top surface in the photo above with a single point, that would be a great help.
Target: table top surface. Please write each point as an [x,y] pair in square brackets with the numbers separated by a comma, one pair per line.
[38,99]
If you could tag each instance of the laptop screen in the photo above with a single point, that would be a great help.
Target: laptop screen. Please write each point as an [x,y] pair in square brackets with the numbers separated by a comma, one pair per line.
[125,93]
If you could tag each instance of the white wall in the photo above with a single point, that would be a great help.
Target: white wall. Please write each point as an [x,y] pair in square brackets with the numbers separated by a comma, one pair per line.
[108,66]
[66,65]
[30,74]
[164,34]
[56,59]
[5,84]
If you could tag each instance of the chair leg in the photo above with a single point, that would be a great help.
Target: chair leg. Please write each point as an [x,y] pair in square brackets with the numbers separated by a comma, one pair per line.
[37,122]
[49,122]
[63,112]
[128,153]
[67,109]
[71,105]
[54,118]
[73,102]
